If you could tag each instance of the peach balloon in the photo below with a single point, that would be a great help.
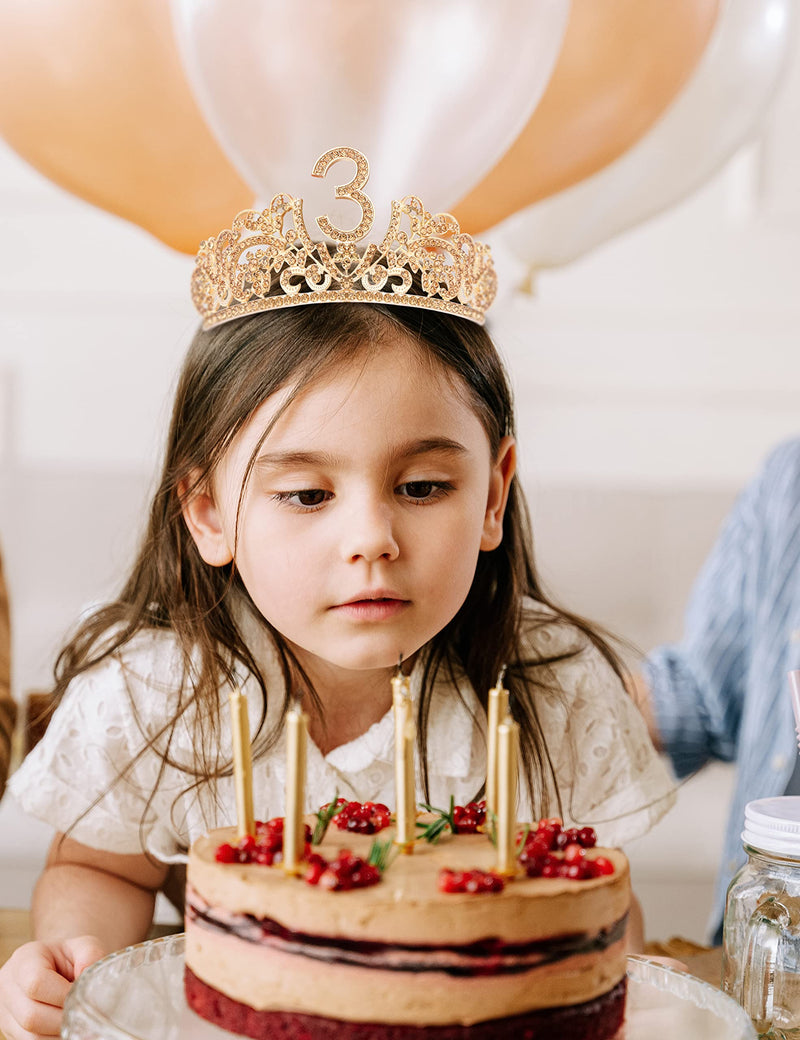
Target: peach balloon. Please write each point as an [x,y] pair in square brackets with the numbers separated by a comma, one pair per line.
[622,63]
[93,95]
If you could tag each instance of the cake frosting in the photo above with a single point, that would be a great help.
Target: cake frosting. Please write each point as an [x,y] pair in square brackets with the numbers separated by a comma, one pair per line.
[403,953]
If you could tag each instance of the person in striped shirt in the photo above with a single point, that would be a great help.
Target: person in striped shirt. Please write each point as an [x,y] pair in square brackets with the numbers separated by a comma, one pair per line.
[722,692]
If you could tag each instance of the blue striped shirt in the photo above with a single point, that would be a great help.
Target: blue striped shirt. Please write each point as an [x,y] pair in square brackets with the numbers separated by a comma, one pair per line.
[723,692]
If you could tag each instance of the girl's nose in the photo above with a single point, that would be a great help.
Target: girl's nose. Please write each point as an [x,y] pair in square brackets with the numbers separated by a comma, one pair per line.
[368,533]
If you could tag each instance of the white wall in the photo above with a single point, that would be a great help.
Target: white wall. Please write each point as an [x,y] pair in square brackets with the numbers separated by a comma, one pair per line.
[652,376]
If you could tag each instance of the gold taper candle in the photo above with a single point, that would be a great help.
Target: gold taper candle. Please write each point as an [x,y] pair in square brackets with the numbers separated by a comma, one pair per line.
[507,767]
[242,763]
[293,823]
[497,711]
[405,733]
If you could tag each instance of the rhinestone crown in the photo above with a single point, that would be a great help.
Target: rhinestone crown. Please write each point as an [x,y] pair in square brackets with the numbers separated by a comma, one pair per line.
[267,259]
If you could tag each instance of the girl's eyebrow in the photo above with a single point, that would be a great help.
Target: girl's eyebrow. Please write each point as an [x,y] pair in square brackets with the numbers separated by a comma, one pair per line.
[294,459]
[323,459]
[431,446]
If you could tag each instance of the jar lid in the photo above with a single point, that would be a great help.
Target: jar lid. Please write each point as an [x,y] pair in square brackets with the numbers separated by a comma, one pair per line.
[773,825]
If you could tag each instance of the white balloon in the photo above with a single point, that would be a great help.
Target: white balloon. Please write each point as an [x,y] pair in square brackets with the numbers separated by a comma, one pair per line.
[433,92]
[716,112]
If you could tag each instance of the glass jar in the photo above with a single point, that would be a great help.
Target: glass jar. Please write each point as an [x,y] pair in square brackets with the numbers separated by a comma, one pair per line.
[761,932]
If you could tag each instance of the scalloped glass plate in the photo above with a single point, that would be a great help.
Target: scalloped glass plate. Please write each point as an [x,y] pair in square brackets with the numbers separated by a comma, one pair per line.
[137,994]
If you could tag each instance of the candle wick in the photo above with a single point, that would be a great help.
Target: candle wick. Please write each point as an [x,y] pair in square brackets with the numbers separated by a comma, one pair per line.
[501,676]
[400,664]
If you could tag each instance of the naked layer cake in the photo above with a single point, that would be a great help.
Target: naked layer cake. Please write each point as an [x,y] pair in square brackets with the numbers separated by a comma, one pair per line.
[439,948]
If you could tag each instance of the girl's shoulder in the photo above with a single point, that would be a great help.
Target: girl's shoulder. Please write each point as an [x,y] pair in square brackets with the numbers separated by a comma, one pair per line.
[605,767]
[145,676]
[561,658]
[546,635]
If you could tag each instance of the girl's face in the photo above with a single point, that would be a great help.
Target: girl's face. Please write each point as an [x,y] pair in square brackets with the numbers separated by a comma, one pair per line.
[365,512]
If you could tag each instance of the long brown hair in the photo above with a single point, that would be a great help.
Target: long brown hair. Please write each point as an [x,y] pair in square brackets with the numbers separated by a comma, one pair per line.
[228,372]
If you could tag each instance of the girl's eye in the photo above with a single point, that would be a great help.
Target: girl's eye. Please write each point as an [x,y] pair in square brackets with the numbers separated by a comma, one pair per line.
[309,498]
[420,491]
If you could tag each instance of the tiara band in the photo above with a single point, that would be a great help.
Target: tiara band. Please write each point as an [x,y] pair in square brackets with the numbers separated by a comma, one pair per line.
[268,260]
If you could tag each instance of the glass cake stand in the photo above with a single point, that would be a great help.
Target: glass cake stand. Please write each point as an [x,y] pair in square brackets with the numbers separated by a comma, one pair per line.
[137,994]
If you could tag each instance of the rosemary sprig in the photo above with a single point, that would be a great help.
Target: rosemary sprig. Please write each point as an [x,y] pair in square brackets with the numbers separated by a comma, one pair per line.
[491,827]
[431,832]
[381,853]
[324,816]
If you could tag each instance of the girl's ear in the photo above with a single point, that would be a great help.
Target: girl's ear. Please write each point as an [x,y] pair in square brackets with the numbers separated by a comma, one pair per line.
[203,520]
[503,470]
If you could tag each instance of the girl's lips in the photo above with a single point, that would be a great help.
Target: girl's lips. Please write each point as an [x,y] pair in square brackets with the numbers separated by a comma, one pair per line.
[372,609]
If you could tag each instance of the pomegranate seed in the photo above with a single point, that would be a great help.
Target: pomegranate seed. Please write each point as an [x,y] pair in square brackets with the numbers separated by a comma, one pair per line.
[549,831]
[468,818]
[225,853]
[345,872]
[533,865]
[315,869]
[587,837]
[366,818]
[446,881]
[471,881]
[574,853]
[329,879]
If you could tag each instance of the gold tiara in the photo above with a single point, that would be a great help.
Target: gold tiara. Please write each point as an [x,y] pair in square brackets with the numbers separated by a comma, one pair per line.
[267,259]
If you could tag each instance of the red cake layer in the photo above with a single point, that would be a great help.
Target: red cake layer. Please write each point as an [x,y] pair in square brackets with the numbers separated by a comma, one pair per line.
[597,1019]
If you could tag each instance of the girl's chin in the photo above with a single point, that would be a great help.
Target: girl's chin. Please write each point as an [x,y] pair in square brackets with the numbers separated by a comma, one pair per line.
[378,659]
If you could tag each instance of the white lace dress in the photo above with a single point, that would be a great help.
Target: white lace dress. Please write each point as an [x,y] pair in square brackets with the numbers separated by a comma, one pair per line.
[608,773]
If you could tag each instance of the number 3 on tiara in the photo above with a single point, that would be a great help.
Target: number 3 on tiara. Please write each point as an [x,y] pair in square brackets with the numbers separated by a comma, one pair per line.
[351,190]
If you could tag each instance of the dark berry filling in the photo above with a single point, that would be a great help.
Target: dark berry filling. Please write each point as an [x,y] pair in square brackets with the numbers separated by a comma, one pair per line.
[487,957]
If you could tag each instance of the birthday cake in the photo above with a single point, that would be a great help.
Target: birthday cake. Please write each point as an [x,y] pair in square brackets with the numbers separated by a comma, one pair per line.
[429,945]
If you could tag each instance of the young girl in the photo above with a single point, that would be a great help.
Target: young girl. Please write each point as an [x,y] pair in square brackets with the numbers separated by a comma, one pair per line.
[338,490]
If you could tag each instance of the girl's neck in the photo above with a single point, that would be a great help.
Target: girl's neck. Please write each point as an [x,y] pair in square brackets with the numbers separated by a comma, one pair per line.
[350,703]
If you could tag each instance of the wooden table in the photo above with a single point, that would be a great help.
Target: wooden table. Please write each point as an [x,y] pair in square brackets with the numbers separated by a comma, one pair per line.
[15,929]
[704,962]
